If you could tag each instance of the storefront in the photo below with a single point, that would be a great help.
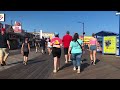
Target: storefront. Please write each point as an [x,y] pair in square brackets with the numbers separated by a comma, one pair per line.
[107,41]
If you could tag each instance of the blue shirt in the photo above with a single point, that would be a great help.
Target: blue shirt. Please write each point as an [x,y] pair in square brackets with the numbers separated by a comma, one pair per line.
[75,47]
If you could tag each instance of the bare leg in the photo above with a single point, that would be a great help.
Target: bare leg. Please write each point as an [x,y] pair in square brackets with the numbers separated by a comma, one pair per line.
[58,63]
[69,55]
[5,57]
[36,50]
[91,57]
[55,64]
[1,59]
[94,56]
[26,59]
[66,58]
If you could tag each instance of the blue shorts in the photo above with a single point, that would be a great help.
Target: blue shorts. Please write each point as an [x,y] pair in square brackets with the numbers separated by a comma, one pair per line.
[93,47]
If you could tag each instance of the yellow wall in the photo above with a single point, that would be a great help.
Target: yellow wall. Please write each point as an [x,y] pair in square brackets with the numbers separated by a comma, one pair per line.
[86,39]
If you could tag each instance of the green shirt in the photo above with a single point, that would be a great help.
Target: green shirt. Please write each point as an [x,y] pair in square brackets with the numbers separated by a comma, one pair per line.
[75,47]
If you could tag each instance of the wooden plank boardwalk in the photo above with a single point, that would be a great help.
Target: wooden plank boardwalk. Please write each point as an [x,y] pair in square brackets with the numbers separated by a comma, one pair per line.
[41,67]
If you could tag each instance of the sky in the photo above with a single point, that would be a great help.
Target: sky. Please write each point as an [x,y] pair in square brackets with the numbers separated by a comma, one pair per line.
[62,21]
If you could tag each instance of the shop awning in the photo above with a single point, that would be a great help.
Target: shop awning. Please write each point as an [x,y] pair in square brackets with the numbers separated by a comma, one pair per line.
[106,33]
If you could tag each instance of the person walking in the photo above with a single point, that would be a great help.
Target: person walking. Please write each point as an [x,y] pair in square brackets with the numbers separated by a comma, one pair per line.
[76,51]
[93,49]
[49,47]
[4,47]
[37,46]
[43,45]
[66,42]
[25,49]
[56,44]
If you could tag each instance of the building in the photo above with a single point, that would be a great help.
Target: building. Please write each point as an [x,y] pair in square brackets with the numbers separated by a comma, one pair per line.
[48,35]
[44,34]
[17,38]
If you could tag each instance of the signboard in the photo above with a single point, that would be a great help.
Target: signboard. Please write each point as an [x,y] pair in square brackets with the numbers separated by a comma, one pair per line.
[86,39]
[2,17]
[109,45]
[17,27]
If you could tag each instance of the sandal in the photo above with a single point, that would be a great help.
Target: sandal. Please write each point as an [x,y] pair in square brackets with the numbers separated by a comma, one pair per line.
[92,62]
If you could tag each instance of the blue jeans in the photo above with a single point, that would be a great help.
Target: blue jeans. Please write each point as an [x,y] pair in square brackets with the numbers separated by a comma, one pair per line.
[76,59]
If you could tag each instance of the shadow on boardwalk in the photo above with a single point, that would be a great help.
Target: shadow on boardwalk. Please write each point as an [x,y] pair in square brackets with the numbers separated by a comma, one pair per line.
[31,61]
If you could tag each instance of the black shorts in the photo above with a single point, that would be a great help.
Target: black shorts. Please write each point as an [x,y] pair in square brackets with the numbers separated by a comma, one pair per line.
[66,51]
[56,52]
[43,47]
[25,54]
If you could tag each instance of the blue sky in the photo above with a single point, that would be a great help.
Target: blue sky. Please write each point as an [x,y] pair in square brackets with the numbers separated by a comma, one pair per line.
[61,21]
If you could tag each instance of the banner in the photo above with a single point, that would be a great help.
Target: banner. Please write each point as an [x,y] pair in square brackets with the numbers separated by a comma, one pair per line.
[17,27]
[109,45]
[2,17]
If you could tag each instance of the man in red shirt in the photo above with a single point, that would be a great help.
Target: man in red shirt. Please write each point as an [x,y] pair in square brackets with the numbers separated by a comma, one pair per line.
[66,42]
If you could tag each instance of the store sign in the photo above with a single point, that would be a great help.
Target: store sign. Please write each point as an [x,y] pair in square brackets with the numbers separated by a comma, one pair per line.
[86,39]
[109,45]
[17,27]
[2,17]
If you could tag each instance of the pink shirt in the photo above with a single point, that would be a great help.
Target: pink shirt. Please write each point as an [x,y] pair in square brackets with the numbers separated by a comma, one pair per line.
[56,41]
[93,41]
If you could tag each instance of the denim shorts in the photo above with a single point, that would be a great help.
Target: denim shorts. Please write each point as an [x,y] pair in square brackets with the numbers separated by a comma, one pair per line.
[93,47]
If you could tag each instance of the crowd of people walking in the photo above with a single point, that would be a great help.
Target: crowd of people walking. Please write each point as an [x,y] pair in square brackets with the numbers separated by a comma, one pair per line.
[73,49]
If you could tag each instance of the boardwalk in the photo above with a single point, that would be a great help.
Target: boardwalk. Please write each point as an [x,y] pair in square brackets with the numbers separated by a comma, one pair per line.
[41,66]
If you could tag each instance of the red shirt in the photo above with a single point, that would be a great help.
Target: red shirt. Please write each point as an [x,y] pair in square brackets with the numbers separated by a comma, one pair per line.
[66,40]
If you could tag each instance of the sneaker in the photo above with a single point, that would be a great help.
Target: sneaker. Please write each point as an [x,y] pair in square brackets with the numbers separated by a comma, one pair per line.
[74,68]
[93,63]
[54,71]
[4,63]
[81,62]
[24,63]
[69,60]
[66,62]
[78,71]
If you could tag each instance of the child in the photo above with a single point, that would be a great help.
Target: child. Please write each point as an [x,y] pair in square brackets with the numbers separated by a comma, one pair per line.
[25,50]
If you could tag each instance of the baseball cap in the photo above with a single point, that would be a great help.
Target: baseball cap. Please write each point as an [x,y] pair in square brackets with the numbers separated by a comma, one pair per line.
[56,33]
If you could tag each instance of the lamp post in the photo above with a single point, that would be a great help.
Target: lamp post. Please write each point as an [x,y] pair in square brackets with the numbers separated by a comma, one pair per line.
[83,30]
[118,13]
